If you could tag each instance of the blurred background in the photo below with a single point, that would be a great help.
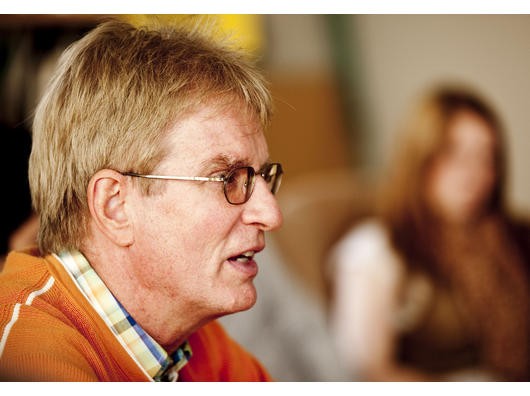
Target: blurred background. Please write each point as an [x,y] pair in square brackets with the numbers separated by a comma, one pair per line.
[341,86]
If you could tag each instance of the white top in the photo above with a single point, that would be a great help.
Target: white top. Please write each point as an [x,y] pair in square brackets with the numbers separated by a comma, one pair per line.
[367,248]
[374,301]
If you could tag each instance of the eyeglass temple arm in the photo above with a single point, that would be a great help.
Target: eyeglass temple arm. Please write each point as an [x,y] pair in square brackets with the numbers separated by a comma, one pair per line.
[191,178]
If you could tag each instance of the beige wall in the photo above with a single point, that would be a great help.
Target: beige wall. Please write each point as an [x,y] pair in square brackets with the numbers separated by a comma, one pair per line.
[401,55]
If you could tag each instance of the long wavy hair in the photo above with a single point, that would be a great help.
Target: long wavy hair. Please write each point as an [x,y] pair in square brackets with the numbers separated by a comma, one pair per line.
[403,202]
[482,263]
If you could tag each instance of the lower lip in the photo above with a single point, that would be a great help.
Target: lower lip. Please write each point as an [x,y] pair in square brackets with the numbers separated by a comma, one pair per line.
[250,268]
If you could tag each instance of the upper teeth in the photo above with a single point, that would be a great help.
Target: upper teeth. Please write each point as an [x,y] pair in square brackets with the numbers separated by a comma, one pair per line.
[245,256]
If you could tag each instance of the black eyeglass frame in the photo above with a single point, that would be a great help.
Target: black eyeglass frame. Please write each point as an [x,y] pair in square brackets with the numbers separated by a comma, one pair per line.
[271,172]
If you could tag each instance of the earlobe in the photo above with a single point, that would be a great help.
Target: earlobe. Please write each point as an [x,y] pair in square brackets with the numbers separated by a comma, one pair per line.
[107,195]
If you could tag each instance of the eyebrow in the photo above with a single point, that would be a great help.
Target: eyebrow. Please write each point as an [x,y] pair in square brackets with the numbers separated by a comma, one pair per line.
[223,161]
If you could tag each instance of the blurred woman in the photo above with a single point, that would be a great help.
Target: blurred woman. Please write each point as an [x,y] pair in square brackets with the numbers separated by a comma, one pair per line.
[436,286]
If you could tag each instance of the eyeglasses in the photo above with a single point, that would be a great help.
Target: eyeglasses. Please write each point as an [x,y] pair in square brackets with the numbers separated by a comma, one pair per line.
[238,184]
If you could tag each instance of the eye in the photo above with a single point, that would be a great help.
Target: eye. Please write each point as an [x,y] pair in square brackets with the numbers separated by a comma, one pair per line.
[221,173]
[230,177]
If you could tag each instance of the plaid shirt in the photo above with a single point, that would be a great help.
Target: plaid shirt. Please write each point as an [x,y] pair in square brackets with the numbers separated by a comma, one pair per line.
[146,352]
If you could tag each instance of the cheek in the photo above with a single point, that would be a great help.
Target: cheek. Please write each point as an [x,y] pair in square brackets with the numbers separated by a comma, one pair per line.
[458,191]
[186,225]
[443,191]
[438,183]
[203,236]
[194,233]
[182,250]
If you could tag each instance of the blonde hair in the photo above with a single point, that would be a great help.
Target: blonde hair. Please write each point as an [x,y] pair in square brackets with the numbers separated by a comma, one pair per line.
[109,104]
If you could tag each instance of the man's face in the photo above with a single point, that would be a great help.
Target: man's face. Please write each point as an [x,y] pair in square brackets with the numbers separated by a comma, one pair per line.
[189,239]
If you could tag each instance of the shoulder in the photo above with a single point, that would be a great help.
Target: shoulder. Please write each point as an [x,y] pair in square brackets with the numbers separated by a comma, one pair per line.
[46,334]
[31,324]
[38,346]
[22,267]
[370,233]
[365,246]
[24,278]
[217,357]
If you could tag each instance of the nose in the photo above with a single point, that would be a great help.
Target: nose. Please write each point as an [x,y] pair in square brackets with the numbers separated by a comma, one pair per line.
[262,208]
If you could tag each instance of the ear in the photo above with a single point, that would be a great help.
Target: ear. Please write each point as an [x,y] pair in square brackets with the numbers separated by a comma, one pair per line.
[107,198]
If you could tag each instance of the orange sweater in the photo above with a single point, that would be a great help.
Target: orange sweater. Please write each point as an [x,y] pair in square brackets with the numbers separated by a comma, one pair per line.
[49,332]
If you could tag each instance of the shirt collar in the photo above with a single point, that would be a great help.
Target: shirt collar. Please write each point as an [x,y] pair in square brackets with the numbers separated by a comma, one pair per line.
[145,350]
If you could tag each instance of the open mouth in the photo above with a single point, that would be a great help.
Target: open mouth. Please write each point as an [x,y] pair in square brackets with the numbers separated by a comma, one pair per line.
[245,263]
[244,257]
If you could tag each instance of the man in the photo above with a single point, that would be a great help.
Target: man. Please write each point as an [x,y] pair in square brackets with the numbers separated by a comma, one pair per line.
[151,177]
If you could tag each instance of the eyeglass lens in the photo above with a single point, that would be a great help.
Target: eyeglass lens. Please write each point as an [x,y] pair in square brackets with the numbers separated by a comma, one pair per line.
[273,176]
[239,183]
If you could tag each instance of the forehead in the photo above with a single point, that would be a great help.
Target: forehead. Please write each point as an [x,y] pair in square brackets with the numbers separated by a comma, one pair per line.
[470,130]
[216,134]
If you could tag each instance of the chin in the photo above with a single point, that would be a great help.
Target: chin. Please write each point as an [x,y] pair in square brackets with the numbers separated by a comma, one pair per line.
[243,300]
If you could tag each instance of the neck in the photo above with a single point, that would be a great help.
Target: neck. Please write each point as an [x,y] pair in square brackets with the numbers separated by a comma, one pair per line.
[166,320]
